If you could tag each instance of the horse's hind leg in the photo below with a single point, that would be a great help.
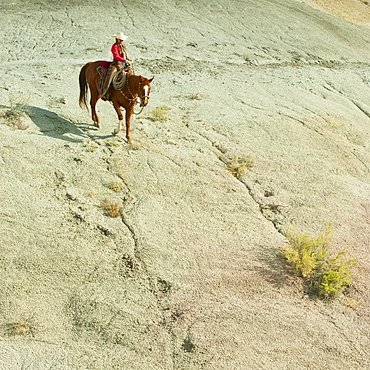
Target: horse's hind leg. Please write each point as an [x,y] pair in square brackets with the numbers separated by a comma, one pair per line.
[94,115]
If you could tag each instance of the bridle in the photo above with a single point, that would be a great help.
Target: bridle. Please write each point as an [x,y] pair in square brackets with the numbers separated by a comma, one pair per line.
[134,98]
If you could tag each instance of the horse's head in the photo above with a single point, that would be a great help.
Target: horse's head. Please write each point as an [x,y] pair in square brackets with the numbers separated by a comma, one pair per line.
[144,91]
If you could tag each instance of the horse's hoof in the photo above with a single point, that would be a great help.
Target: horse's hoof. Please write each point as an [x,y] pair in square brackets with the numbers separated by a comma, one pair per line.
[131,146]
[115,132]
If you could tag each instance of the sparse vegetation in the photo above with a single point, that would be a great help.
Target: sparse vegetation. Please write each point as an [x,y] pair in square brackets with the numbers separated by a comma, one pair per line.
[112,144]
[326,273]
[195,97]
[111,208]
[90,146]
[239,165]
[17,110]
[92,193]
[53,101]
[17,328]
[116,186]
[188,345]
[160,113]
[351,303]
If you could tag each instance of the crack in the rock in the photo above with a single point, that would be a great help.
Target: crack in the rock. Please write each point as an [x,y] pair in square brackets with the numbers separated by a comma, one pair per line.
[357,104]
[302,123]
[361,161]
[133,235]
[158,287]
[265,208]
[363,110]
[270,211]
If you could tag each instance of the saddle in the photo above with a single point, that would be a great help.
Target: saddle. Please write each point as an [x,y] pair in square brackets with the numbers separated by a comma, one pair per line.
[118,79]
[103,71]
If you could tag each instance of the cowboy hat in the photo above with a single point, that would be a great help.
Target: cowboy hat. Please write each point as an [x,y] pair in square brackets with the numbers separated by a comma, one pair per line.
[120,36]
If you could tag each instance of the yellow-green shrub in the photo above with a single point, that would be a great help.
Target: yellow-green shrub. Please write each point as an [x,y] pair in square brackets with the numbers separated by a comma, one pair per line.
[336,275]
[325,273]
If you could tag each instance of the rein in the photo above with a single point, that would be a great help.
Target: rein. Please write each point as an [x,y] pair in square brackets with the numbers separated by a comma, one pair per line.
[137,113]
[134,98]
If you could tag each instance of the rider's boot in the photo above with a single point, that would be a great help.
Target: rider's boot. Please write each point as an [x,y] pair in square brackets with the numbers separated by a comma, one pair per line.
[107,81]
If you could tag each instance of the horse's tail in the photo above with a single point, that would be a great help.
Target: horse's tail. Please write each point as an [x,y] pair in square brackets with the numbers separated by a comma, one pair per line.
[83,86]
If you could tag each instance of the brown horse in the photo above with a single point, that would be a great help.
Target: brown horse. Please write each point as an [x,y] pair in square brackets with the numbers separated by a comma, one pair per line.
[136,89]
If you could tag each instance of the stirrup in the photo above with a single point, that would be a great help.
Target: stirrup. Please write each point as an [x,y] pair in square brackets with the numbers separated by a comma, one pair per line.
[104,94]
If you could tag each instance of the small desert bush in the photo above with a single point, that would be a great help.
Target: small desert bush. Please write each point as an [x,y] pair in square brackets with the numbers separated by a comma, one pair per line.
[92,193]
[111,208]
[55,101]
[239,165]
[90,146]
[116,186]
[160,113]
[326,273]
[17,110]
[195,97]
[18,328]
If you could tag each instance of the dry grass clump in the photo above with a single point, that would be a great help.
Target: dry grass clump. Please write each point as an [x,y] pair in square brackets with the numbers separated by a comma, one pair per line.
[18,328]
[116,186]
[111,208]
[325,273]
[113,144]
[92,193]
[17,110]
[239,165]
[195,97]
[160,113]
[55,101]
[90,146]
[351,303]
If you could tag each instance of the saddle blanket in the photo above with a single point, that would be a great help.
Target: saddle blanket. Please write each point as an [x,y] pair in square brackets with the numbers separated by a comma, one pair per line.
[105,64]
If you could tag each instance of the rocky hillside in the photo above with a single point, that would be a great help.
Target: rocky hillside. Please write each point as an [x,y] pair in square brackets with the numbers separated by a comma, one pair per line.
[155,256]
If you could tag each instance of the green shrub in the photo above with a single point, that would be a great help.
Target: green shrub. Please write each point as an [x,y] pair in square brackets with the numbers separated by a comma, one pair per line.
[336,276]
[326,274]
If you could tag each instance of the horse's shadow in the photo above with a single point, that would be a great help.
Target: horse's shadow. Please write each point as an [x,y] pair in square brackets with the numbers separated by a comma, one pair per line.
[53,125]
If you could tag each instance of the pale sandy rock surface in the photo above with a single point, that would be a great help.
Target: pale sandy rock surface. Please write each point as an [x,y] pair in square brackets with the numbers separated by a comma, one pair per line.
[356,11]
[189,277]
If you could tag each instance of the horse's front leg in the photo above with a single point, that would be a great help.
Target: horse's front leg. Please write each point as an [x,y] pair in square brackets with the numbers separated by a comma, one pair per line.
[129,112]
[120,118]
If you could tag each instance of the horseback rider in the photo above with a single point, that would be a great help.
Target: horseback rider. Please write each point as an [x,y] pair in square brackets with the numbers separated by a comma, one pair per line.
[120,60]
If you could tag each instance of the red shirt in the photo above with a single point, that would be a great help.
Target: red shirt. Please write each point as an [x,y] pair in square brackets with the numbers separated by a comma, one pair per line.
[117,53]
